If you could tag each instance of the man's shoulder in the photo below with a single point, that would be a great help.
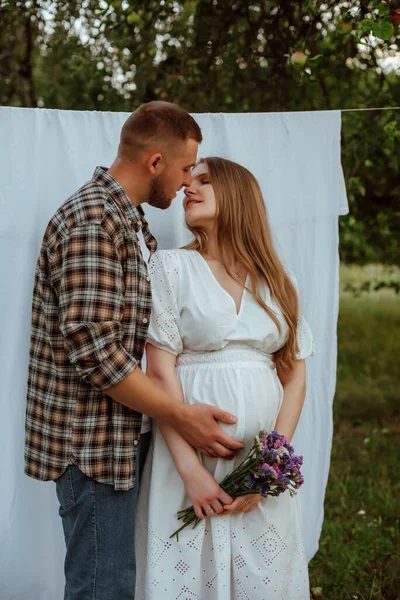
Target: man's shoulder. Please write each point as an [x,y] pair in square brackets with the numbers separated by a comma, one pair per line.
[86,205]
[89,205]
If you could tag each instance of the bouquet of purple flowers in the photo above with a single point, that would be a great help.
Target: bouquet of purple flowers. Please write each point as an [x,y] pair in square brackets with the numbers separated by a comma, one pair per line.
[269,469]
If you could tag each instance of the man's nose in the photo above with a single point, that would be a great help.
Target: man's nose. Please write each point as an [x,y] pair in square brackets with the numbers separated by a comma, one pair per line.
[187,180]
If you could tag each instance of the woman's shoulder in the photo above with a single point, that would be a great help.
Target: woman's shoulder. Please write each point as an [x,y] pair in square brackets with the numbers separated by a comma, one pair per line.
[169,259]
[174,255]
[292,278]
[172,252]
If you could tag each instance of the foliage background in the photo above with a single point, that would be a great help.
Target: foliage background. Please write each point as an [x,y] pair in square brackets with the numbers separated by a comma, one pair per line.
[227,56]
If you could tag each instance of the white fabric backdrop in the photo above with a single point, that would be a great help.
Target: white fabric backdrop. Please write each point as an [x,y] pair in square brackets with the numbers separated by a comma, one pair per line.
[45,155]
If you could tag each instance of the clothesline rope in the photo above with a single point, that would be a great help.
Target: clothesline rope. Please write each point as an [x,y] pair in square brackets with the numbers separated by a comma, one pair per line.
[361,109]
[323,110]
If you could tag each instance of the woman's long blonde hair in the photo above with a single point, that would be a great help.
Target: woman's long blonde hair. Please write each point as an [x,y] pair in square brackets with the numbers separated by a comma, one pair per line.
[243,230]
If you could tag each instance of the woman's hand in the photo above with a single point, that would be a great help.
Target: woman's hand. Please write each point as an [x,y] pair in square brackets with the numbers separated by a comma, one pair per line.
[242,504]
[207,497]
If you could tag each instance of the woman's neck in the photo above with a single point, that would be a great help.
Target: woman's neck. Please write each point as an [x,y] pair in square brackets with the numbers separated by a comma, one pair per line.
[212,249]
[213,252]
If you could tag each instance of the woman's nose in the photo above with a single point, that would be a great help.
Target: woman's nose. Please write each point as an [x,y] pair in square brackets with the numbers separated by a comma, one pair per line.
[188,190]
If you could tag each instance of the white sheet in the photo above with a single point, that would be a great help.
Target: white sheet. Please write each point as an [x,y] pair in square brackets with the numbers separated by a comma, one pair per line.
[45,155]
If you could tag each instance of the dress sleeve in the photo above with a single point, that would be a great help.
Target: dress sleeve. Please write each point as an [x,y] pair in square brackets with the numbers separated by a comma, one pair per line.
[164,328]
[305,339]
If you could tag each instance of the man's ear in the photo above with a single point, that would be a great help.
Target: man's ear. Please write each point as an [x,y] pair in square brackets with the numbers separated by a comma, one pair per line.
[155,163]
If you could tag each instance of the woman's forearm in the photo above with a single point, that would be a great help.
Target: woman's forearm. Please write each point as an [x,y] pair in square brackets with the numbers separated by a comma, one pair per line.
[294,392]
[289,414]
[183,454]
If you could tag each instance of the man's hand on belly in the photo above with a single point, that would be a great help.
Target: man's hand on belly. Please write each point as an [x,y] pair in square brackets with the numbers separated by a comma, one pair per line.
[198,425]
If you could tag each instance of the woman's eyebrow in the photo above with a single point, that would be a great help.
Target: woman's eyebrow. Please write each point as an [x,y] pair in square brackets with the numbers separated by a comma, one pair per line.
[204,174]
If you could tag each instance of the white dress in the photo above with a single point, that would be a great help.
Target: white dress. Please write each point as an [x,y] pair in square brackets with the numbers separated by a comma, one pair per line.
[224,359]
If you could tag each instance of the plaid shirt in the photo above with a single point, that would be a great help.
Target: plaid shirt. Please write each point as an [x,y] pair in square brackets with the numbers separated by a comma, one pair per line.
[90,315]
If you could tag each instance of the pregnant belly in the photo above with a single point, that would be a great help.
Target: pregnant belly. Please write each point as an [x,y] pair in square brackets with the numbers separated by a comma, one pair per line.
[250,391]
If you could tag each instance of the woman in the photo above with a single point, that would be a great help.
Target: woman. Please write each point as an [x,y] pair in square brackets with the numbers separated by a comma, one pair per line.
[225,330]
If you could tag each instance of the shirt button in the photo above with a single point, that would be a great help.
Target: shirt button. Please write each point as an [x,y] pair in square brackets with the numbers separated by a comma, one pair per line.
[147,278]
[144,320]
[135,442]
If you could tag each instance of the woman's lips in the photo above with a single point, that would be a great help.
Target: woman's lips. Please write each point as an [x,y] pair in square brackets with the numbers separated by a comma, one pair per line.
[191,201]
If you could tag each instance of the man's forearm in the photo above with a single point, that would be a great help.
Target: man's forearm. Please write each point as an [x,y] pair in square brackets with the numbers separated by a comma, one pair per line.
[197,424]
[139,392]
[159,399]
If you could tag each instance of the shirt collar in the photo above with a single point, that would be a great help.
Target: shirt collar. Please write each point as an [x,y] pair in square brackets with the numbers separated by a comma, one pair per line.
[134,213]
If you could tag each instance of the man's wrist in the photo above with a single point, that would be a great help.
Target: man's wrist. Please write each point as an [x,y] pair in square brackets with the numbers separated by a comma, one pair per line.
[175,414]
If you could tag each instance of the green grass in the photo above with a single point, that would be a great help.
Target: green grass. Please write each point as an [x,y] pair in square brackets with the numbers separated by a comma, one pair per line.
[359,549]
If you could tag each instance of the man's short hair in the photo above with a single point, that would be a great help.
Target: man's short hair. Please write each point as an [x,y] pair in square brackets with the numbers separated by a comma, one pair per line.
[156,122]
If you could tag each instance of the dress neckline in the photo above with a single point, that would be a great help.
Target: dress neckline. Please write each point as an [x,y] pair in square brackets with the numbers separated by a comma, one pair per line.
[208,268]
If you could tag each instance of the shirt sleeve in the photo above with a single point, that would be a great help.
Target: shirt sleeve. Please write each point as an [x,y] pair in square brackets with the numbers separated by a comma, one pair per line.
[305,339]
[91,286]
[164,329]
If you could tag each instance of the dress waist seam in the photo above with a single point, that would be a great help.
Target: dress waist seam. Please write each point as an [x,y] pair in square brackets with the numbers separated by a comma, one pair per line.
[228,355]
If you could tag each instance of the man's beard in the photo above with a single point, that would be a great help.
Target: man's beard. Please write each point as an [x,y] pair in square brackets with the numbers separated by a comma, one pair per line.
[157,195]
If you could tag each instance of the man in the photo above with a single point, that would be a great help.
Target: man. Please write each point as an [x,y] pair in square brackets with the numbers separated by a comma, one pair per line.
[86,390]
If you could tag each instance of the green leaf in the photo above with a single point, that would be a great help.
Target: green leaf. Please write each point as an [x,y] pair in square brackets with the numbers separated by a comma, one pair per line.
[133,19]
[315,60]
[391,131]
[383,30]
[367,25]
[383,9]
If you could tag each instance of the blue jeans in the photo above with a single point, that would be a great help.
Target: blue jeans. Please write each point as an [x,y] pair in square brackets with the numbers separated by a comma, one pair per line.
[99,531]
